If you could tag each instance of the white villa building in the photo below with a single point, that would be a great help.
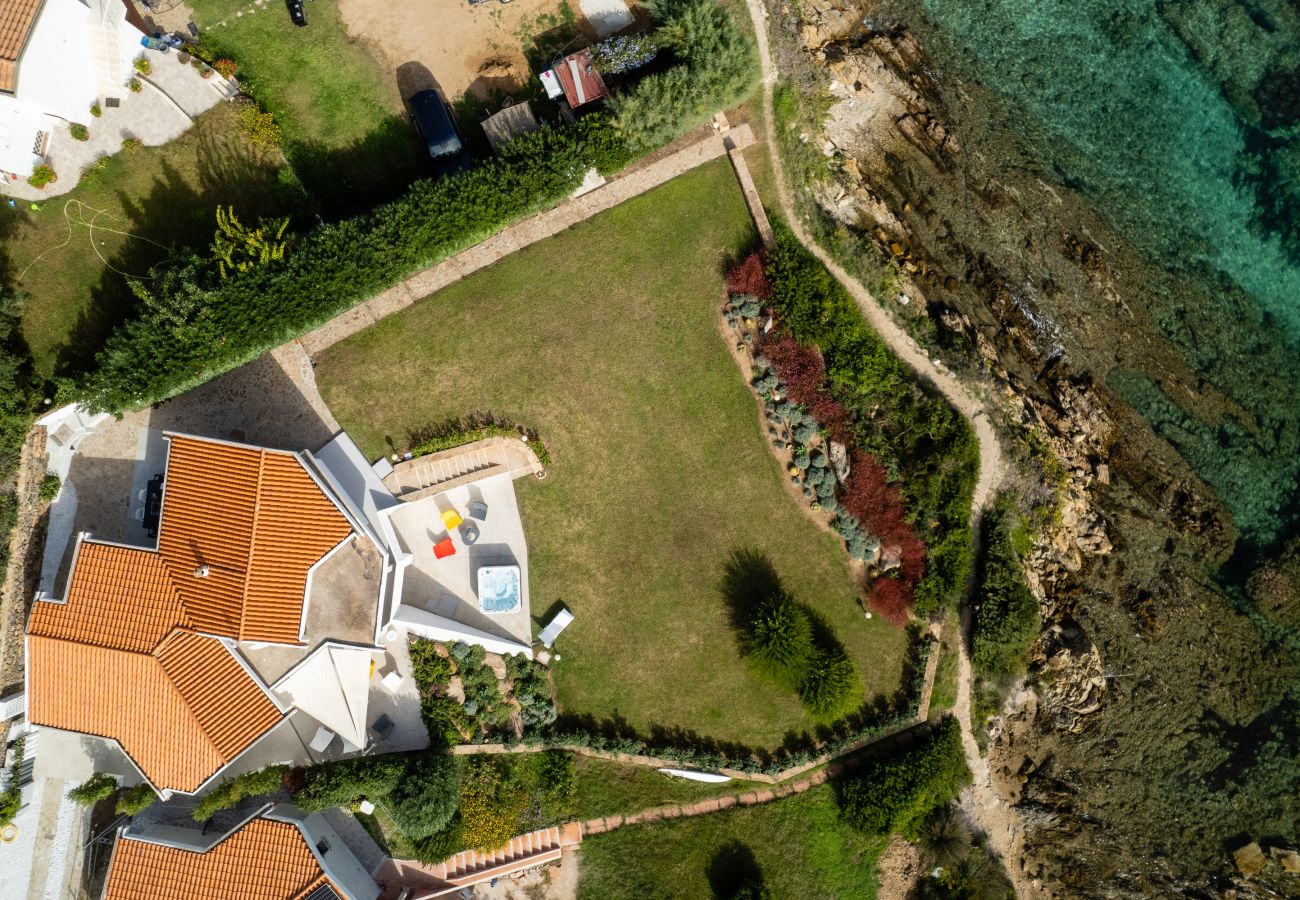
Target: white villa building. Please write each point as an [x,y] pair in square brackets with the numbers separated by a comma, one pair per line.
[57,57]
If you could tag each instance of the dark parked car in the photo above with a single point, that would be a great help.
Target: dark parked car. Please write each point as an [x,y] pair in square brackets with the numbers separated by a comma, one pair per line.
[440,133]
[296,12]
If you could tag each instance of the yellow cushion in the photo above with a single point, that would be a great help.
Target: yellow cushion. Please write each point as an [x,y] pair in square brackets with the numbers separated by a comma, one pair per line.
[451,518]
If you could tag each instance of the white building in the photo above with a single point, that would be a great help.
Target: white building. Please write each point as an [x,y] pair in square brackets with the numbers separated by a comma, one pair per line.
[57,57]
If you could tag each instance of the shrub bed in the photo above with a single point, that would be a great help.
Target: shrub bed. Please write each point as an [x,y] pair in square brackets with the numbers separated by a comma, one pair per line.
[458,432]
[914,459]
[234,790]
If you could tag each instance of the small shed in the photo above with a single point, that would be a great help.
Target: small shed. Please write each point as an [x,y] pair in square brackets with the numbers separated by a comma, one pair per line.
[579,79]
[512,121]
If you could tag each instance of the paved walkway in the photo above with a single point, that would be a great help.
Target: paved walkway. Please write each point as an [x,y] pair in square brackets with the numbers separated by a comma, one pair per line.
[523,234]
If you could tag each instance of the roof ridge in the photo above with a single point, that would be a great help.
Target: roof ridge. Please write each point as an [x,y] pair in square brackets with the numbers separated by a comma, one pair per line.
[252,540]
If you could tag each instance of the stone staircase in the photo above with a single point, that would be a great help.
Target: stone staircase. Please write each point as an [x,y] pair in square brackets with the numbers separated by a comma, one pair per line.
[523,852]
[442,471]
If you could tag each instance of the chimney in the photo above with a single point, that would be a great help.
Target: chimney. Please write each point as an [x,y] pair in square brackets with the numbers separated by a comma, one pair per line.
[201,571]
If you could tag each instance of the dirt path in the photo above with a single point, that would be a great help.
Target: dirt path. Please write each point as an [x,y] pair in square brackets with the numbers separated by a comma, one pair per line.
[994,817]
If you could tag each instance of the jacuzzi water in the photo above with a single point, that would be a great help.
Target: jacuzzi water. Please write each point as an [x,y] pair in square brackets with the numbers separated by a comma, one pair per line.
[498,589]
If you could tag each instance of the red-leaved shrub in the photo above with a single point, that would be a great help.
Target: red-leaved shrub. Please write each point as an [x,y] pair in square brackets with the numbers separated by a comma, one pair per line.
[748,277]
[804,374]
[891,598]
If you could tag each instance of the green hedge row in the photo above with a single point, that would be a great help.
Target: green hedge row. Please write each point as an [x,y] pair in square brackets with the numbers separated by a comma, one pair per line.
[193,325]
[925,445]
[691,750]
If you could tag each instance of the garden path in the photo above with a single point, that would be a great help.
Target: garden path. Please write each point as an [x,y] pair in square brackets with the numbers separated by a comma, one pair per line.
[994,817]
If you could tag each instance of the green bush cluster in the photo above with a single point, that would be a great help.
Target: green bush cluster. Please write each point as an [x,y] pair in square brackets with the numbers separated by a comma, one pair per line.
[347,781]
[458,432]
[192,326]
[425,798]
[234,790]
[779,641]
[1007,619]
[718,68]
[50,485]
[925,445]
[783,641]
[12,798]
[135,800]
[896,793]
[95,788]
[530,686]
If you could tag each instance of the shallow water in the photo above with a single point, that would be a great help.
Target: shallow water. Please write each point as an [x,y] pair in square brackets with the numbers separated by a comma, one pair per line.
[1180,123]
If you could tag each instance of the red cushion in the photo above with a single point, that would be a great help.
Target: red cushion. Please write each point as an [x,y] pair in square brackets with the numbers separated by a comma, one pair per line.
[444,548]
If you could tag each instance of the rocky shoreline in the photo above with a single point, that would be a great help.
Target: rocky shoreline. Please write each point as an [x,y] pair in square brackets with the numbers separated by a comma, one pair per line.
[1151,678]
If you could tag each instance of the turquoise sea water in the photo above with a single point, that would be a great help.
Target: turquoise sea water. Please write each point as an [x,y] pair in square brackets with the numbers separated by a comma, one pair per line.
[1180,123]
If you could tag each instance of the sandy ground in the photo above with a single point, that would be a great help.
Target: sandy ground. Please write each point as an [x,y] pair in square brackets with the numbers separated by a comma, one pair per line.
[455,47]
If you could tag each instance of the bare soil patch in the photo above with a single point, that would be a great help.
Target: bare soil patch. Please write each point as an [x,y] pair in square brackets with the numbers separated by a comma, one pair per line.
[460,48]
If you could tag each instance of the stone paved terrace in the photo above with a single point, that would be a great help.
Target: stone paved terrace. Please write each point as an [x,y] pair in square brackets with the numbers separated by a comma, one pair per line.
[171,96]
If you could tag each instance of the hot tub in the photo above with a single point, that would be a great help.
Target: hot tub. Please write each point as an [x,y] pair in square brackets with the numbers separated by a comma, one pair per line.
[498,589]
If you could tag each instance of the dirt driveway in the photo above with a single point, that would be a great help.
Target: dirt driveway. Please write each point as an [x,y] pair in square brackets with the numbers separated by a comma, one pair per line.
[460,48]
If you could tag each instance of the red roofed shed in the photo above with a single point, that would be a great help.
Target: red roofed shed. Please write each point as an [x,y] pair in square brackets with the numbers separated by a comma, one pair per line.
[581,82]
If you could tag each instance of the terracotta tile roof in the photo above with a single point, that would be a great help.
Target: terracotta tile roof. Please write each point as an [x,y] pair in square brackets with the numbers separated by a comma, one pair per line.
[259,522]
[120,657]
[118,597]
[264,860]
[16,20]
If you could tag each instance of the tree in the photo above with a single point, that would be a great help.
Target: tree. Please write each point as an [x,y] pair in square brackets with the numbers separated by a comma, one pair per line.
[1007,620]
[93,789]
[778,640]
[830,689]
[136,800]
[426,797]
[346,781]
[239,248]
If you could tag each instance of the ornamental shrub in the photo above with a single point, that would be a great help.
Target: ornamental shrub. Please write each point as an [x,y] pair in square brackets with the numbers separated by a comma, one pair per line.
[41,176]
[1007,619]
[135,800]
[347,781]
[778,641]
[748,277]
[93,789]
[50,486]
[623,54]
[425,798]
[194,326]
[95,110]
[830,689]
[79,132]
[896,793]
[233,791]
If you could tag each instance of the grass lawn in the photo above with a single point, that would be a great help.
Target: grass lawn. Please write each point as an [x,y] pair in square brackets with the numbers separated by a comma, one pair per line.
[797,846]
[944,695]
[162,196]
[345,129]
[605,339]
[608,788]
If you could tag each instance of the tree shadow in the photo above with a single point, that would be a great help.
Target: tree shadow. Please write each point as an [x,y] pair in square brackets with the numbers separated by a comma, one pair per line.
[748,580]
[176,214]
[346,181]
[734,873]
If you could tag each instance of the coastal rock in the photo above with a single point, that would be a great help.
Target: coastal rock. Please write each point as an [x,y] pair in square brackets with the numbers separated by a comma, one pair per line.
[1250,859]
